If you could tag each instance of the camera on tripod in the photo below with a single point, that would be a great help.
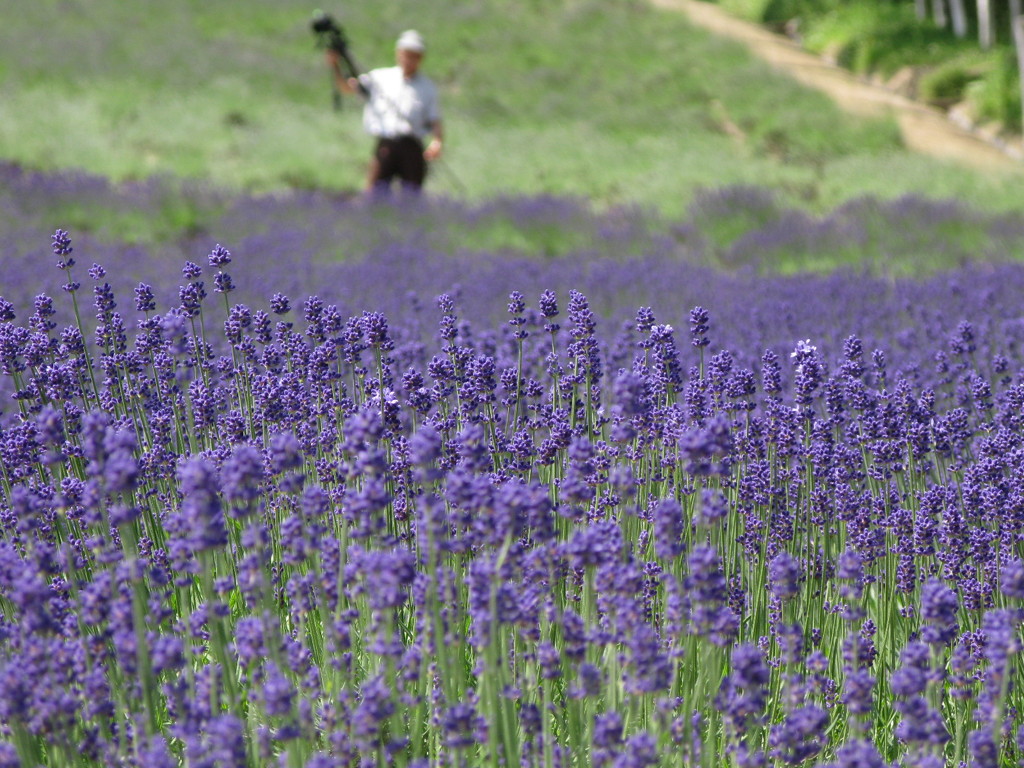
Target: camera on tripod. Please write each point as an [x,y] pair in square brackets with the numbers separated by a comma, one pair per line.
[330,36]
[329,33]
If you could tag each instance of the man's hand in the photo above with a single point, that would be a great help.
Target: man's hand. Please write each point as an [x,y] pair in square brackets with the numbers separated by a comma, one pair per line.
[433,150]
[345,84]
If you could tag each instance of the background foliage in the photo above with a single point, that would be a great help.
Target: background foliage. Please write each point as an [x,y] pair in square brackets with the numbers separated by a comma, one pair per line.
[612,101]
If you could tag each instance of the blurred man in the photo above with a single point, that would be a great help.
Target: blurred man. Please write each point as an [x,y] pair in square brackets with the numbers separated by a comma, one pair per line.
[401,110]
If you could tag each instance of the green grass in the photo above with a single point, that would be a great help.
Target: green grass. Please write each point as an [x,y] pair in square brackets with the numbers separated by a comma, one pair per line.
[613,101]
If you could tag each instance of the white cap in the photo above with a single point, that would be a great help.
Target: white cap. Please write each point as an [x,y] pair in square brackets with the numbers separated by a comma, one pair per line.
[411,40]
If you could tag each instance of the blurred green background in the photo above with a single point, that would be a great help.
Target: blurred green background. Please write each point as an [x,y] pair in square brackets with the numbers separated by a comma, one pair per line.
[613,101]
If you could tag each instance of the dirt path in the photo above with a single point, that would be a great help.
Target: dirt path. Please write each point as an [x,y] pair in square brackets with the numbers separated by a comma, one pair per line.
[925,129]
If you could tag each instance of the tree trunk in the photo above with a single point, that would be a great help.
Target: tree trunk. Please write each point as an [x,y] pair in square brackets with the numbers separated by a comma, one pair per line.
[959,17]
[921,7]
[985,24]
[939,13]
[1018,39]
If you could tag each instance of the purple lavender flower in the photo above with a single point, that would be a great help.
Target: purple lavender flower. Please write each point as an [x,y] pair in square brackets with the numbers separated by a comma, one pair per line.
[548,304]
[594,544]
[324,760]
[911,678]
[191,297]
[388,574]
[650,669]
[144,299]
[240,477]
[222,283]
[920,723]
[640,751]
[800,736]
[249,641]
[279,304]
[201,508]
[285,452]
[771,377]
[744,692]
[463,727]
[707,450]
[984,751]
[713,508]
[62,247]
[278,693]
[706,580]
[809,371]
[375,707]
[607,737]
[668,529]
[219,256]
[858,754]
[1012,579]
[784,576]
[850,568]
[584,346]
[226,741]
[589,681]
[710,615]
[516,307]
[938,610]
[700,323]
[858,692]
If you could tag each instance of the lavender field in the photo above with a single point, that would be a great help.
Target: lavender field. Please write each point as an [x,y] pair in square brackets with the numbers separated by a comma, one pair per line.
[336,484]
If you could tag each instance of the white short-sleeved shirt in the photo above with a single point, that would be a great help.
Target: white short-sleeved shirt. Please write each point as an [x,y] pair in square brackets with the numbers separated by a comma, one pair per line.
[399,107]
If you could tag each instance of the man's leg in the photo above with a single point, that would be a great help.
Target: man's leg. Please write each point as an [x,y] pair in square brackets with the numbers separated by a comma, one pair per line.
[412,166]
[373,174]
[384,166]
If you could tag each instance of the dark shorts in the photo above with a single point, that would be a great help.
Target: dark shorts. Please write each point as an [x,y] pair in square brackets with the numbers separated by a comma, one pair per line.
[401,159]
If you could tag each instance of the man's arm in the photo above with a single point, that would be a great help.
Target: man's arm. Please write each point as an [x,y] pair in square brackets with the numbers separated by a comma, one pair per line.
[433,150]
[348,85]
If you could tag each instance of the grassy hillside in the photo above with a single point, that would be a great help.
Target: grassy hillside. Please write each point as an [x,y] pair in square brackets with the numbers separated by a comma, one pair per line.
[610,100]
